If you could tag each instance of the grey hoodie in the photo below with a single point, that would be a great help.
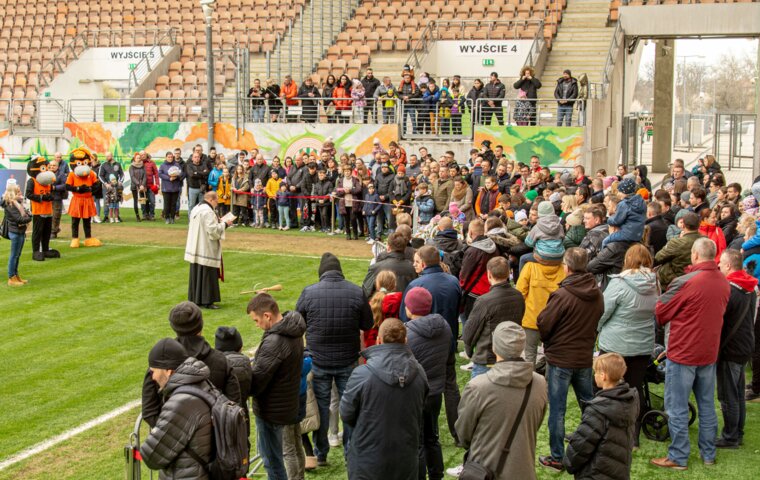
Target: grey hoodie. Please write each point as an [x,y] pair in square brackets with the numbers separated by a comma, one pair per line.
[547,228]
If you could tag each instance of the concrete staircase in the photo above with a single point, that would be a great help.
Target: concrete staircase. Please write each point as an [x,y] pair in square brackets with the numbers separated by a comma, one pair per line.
[300,49]
[388,64]
[581,45]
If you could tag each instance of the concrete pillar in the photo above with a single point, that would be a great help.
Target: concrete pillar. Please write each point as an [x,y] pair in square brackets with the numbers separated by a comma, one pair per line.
[664,87]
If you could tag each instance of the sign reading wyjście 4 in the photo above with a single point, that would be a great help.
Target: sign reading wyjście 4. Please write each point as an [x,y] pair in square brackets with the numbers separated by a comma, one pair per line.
[477,58]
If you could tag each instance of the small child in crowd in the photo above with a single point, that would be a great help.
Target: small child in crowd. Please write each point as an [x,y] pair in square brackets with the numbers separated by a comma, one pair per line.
[283,206]
[229,341]
[258,202]
[603,442]
[114,196]
[425,204]
[385,303]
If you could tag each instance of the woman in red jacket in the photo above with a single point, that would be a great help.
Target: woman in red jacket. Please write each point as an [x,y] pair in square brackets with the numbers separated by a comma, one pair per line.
[342,92]
[708,226]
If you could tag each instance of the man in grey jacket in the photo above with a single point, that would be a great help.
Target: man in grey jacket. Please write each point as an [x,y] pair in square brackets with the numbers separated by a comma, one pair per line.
[488,410]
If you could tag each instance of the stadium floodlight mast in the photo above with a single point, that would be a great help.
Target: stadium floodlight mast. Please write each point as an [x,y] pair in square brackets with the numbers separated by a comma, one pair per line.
[208,13]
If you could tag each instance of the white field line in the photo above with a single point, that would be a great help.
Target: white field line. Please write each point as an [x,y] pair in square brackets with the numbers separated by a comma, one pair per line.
[46,444]
[268,254]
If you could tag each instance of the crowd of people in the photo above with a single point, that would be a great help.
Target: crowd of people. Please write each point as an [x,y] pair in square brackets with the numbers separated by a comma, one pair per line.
[423,104]
[543,280]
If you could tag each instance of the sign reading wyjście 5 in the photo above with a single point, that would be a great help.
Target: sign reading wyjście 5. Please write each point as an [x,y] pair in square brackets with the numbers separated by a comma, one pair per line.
[477,58]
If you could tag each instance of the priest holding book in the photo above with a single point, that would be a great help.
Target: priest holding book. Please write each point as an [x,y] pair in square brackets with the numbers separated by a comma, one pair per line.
[204,251]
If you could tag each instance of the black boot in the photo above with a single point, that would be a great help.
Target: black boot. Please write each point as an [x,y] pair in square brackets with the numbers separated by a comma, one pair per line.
[38,256]
[52,254]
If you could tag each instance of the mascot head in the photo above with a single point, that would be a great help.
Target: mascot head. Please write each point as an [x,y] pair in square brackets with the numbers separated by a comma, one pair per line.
[80,160]
[37,168]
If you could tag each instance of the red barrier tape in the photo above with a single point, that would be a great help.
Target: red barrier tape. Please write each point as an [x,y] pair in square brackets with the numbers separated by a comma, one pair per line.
[320,197]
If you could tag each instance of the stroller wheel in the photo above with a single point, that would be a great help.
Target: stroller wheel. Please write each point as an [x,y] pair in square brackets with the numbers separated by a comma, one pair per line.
[692,414]
[654,424]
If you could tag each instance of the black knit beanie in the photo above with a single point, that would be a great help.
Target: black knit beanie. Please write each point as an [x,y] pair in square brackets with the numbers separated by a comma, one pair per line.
[329,262]
[228,339]
[167,354]
[186,318]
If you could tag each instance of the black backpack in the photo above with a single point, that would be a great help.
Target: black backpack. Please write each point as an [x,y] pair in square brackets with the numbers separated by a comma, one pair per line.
[230,453]
[454,261]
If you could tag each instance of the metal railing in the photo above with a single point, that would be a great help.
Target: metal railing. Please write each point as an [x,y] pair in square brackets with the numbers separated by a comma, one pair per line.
[161,46]
[432,32]
[618,37]
[416,118]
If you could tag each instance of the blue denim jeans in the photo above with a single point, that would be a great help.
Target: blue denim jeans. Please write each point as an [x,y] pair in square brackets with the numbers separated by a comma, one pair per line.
[478,369]
[559,380]
[731,382]
[322,383]
[193,198]
[680,381]
[283,212]
[258,114]
[371,221]
[564,112]
[269,444]
[17,244]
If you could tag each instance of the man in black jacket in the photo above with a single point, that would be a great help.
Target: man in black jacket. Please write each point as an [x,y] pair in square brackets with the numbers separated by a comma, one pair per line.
[429,337]
[501,304]
[494,91]
[383,403]
[308,91]
[396,262]
[737,342]
[259,171]
[384,177]
[609,261]
[295,182]
[658,227]
[196,174]
[335,311]
[184,425]
[565,92]
[370,84]
[186,320]
[276,378]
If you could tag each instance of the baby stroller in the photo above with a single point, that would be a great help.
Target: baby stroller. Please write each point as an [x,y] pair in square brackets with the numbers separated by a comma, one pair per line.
[654,423]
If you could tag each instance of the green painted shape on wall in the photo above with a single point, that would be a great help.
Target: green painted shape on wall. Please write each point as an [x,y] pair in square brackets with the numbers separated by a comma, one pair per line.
[137,136]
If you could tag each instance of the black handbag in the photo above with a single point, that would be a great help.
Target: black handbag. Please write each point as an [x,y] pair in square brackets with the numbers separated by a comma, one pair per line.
[474,471]
[5,228]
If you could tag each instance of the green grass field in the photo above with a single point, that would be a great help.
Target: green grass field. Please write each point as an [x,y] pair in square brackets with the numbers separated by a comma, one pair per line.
[76,342]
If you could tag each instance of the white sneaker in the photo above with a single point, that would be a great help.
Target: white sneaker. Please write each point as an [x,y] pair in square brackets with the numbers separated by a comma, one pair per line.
[305,229]
[464,355]
[370,241]
[467,367]
[311,229]
[96,219]
[334,440]
[455,471]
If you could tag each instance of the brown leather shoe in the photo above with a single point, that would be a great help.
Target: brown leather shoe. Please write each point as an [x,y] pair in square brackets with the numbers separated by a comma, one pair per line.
[18,277]
[665,462]
[13,282]
[311,463]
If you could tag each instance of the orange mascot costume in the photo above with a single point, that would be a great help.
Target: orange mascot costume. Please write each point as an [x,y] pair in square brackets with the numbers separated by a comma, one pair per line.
[82,181]
[39,193]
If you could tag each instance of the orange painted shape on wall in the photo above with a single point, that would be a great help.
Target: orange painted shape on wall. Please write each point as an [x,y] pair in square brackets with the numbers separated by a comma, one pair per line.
[386,134]
[92,134]
[225,134]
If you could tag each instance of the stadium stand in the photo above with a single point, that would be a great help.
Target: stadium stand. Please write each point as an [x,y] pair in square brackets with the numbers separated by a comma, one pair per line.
[384,26]
[25,53]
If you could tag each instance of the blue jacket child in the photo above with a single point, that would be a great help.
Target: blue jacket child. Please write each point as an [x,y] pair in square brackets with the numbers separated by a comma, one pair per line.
[371,209]
[630,216]
[282,196]
[425,205]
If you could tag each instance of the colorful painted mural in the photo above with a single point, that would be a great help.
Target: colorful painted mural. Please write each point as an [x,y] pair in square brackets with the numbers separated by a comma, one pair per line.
[556,146]
[124,139]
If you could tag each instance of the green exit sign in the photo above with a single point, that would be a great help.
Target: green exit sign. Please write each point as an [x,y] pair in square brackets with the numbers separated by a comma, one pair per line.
[488,62]
[132,66]
[47,94]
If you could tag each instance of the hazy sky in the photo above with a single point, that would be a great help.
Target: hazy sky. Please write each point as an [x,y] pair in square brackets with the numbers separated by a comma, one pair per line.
[711,50]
